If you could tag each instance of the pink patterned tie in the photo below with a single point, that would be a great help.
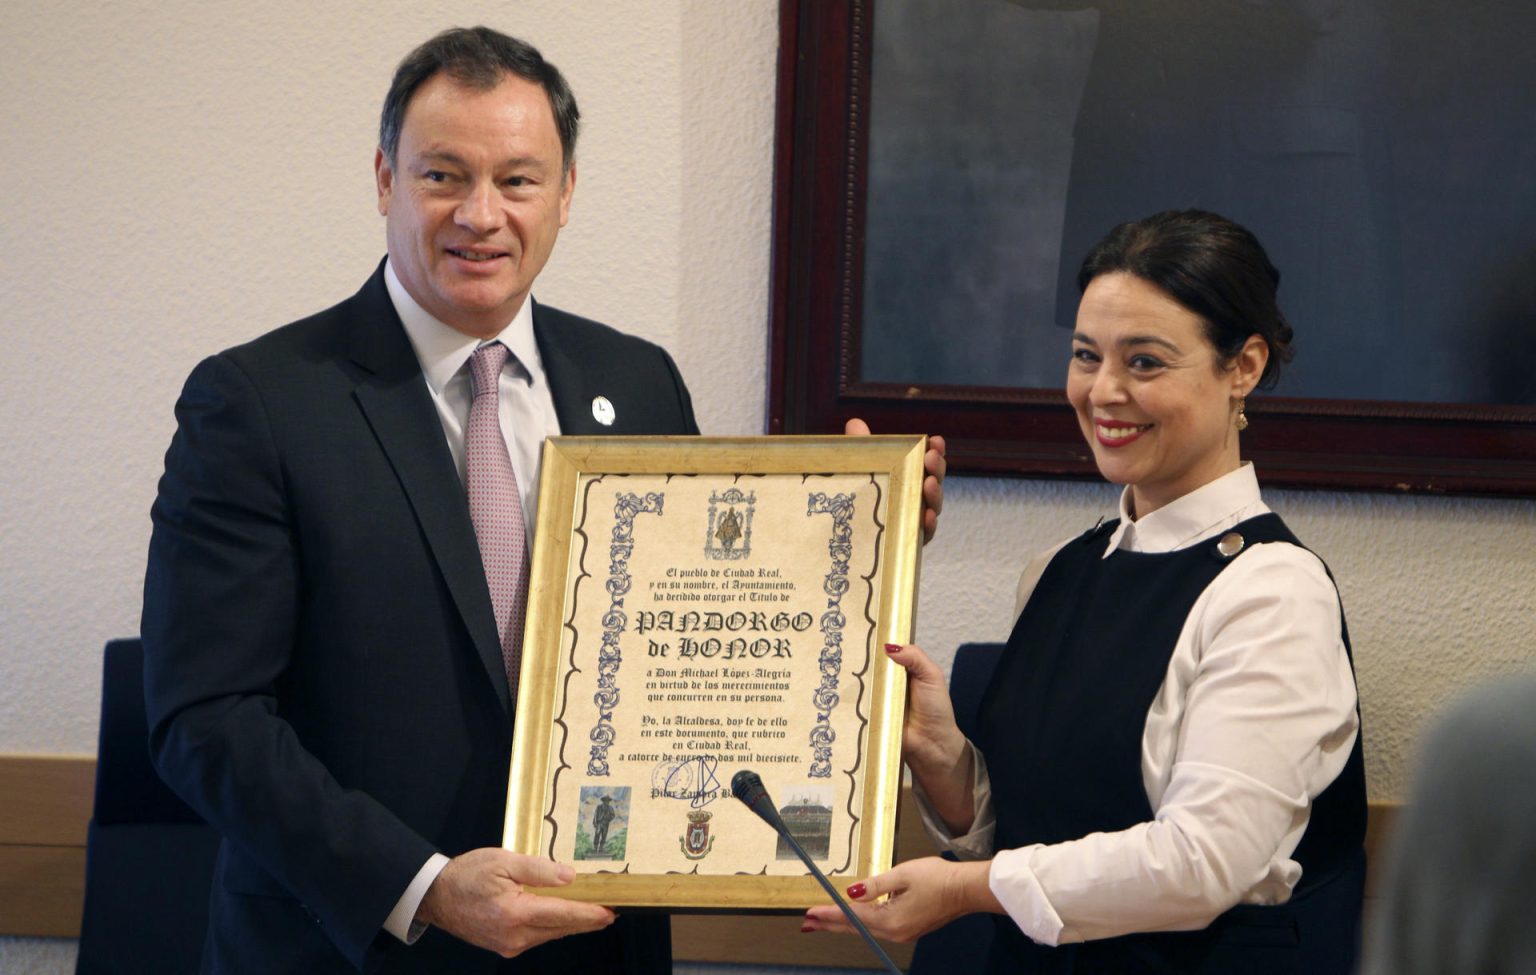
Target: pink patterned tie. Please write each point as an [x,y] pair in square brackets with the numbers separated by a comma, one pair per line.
[496,508]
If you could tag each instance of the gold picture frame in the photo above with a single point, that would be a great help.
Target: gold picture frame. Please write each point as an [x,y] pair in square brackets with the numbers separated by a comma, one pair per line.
[700,606]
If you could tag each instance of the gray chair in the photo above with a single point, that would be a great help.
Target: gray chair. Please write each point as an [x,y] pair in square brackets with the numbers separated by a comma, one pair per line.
[149,857]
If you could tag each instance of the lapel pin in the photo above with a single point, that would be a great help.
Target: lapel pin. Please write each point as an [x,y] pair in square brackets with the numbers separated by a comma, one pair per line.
[602,411]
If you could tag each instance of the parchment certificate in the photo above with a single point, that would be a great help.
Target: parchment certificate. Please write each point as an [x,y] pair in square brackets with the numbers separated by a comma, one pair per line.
[708,622]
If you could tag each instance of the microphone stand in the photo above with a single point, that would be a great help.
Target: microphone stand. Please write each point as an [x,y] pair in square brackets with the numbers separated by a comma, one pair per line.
[745,782]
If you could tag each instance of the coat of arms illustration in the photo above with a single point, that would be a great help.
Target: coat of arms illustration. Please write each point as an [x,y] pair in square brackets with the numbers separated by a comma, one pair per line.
[696,841]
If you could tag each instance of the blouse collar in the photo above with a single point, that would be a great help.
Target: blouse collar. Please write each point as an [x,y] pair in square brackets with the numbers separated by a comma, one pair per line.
[1198,515]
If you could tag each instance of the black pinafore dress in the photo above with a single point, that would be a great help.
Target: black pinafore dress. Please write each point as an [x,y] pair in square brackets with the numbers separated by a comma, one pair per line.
[1061,727]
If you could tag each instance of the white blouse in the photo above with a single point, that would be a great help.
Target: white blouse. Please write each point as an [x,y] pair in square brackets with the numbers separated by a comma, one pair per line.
[1255,718]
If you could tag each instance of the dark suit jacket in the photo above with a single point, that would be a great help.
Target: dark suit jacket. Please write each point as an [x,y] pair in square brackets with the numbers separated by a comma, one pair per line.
[323,676]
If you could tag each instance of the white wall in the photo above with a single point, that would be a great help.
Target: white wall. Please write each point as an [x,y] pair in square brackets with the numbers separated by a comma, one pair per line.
[179,177]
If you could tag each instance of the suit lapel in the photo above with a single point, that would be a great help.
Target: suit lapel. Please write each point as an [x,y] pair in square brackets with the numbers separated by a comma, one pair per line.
[395,400]
[568,382]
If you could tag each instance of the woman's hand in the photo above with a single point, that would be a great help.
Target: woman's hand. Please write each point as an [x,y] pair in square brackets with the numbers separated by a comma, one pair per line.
[931,742]
[930,738]
[924,894]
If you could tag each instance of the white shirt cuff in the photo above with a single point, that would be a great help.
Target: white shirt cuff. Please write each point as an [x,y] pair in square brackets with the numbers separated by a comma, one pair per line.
[1014,883]
[402,921]
[976,844]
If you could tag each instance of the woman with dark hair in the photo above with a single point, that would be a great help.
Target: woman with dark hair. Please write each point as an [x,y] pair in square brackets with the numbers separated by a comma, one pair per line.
[1167,774]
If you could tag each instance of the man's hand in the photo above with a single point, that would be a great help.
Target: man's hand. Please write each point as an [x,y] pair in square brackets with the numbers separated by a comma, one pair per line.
[934,466]
[482,897]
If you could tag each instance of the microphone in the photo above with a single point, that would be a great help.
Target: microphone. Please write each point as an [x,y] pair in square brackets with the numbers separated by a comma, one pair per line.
[748,787]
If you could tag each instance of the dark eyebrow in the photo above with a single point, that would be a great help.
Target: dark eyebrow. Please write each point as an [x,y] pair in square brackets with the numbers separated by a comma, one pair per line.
[440,156]
[1133,340]
[516,162]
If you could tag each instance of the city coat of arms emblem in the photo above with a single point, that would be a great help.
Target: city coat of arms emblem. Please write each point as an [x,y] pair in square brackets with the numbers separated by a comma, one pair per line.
[696,841]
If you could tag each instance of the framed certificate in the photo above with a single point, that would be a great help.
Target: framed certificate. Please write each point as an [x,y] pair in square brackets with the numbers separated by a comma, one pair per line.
[700,606]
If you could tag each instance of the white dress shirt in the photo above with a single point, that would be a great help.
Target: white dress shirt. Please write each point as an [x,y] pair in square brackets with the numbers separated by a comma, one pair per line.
[527,411]
[524,401]
[1254,719]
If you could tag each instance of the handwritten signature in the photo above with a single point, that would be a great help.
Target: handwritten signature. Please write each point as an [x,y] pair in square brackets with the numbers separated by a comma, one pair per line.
[695,781]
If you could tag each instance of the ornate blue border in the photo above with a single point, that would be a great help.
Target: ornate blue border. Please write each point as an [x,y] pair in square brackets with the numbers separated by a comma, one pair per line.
[625,508]
[840,548]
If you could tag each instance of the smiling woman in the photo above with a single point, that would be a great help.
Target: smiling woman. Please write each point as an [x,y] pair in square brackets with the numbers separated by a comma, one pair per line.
[1177,325]
[1166,773]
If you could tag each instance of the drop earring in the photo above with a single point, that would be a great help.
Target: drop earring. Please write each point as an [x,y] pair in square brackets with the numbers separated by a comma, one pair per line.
[1242,418]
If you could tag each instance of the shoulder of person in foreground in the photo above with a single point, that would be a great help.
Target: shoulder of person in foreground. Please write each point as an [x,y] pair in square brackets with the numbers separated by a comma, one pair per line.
[1460,875]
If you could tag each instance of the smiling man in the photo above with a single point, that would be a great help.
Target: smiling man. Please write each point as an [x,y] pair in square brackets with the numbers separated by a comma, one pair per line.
[333,604]
[475,187]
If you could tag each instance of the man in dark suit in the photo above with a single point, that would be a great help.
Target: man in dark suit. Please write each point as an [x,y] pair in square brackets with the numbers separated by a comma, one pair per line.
[324,664]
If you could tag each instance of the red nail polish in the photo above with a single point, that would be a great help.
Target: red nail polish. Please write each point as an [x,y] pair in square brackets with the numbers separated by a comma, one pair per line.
[856,891]
[893,648]
[806,929]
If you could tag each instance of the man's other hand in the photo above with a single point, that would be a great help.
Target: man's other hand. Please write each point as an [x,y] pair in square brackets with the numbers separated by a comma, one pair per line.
[484,897]
[933,480]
